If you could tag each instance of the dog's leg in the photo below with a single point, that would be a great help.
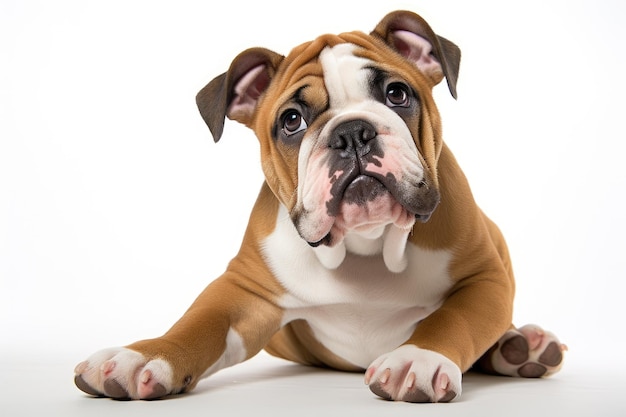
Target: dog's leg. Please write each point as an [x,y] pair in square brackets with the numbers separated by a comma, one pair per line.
[229,322]
[529,352]
[478,310]
[429,366]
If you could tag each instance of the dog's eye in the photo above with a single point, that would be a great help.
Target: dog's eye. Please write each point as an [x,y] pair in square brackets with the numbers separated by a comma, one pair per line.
[397,95]
[293,122]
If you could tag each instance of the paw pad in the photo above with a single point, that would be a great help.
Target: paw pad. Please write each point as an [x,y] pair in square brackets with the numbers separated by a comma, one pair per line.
[529,352]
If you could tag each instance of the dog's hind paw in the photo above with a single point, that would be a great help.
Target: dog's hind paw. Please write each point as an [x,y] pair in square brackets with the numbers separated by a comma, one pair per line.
[414,375]
[123,374]
[528,352]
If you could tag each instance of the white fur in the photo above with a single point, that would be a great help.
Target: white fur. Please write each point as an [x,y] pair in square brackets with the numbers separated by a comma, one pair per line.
[331,257]
[235,353]
[344,76]
[394,249]
[361,309]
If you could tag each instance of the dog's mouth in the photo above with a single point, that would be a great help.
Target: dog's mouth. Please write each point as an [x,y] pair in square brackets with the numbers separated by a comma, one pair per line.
[324,241]
[365,203]
[363,189]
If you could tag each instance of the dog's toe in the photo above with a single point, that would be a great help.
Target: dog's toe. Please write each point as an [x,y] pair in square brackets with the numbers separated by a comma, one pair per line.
[85,387]
[115,390]
[414,375]
[123,374]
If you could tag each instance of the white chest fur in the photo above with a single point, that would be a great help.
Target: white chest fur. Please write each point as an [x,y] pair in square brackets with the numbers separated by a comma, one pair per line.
[361,309]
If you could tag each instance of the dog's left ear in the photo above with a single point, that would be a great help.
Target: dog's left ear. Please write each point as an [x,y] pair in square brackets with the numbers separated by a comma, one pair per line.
[236,92]
[413,38]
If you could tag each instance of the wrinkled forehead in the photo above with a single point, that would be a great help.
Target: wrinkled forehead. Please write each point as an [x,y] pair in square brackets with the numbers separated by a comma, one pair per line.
[323,75]
[344,61]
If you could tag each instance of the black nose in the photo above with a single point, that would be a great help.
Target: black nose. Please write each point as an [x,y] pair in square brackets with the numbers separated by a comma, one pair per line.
[353,136]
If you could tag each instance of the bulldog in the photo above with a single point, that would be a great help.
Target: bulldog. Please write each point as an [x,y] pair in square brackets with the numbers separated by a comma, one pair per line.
[365,250]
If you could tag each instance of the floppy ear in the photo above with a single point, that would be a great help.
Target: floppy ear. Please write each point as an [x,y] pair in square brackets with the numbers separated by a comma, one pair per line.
[413,38]
[236,92]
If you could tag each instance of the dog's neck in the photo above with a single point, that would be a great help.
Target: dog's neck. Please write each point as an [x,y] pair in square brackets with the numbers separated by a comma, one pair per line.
[388,241]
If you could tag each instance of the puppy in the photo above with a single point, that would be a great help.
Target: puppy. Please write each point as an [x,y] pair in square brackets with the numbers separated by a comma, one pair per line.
[365,250]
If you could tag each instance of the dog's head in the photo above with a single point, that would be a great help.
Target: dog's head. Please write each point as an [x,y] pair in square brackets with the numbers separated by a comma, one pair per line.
[349,133]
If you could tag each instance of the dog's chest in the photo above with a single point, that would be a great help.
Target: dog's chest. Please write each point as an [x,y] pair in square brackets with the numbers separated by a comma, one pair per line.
[359,310]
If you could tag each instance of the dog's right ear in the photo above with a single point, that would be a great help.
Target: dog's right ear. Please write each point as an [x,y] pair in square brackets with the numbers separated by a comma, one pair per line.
[235,93]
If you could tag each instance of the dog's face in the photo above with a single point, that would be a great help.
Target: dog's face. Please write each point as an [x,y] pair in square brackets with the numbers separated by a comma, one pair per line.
[349,132]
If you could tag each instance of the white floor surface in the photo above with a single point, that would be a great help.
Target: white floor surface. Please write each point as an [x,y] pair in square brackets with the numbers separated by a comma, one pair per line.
[266,386]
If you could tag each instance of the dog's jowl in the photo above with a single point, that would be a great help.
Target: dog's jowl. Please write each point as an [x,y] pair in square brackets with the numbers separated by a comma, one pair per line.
[365,250]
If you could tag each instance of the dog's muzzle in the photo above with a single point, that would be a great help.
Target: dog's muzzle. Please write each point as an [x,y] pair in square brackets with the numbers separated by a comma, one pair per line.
[371,182]
[352,145]
[356,150]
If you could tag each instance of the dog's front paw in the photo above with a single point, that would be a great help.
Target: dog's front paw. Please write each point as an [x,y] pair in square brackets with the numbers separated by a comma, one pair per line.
[122,373]
[414,375]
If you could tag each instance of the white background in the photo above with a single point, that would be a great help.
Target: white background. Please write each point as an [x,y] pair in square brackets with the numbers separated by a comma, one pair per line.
[116,207]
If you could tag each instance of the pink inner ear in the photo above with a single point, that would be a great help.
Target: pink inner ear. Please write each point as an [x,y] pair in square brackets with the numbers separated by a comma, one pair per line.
[418,50]
[247,91]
